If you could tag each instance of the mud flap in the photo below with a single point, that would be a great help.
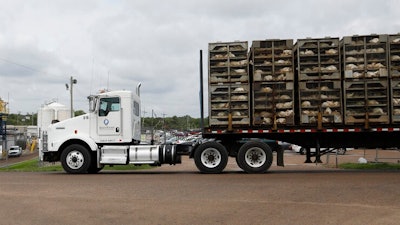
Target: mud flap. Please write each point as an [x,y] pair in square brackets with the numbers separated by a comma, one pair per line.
[279,157]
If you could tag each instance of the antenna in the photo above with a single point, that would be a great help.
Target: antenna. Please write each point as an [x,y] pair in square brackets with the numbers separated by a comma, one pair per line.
[108,79]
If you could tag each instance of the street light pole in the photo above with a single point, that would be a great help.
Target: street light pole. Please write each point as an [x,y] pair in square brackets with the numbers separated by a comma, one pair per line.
[72,81]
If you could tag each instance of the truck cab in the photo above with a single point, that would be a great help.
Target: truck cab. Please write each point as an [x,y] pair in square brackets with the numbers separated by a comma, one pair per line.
[115,117]
[108,135]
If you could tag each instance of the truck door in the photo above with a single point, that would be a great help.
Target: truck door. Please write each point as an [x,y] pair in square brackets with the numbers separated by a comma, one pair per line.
[109,118]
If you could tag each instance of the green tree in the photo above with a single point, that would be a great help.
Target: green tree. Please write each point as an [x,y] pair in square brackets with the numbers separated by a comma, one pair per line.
[79,112]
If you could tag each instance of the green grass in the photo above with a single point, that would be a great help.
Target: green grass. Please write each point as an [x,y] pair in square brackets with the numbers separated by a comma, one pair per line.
[371,166]
[33,165]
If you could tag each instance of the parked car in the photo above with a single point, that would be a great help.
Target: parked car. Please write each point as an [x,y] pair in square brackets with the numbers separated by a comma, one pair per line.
[303,151]
[285,145]
[15,151]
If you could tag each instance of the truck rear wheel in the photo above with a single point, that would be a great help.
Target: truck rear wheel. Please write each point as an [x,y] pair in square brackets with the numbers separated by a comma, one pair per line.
[211,157]
[75,159]
[254,157]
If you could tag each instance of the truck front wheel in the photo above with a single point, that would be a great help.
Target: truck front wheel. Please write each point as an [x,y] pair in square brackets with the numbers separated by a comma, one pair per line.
[75,159]
[211,157]
[254,157]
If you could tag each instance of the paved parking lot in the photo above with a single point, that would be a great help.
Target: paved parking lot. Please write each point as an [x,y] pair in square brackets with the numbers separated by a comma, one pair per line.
[296,194]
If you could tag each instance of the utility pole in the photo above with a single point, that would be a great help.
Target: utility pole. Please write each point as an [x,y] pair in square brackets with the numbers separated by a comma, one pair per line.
[165,131]
[72,81]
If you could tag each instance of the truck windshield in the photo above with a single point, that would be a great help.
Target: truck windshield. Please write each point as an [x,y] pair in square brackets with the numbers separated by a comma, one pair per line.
[108,105]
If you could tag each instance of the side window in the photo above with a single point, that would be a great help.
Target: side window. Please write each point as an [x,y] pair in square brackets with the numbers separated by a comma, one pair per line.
[108,105]
[136,108]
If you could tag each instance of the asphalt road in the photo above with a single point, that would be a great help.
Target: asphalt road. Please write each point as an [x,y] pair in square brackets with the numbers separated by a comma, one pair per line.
[296,194]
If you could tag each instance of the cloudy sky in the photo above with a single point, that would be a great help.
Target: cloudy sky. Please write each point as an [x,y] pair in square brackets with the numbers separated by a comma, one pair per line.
[115,44]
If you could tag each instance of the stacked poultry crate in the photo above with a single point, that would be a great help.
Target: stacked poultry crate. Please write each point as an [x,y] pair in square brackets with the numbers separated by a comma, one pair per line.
[319,81]
[366,94]
[394,71]
[229,88]
[272,83]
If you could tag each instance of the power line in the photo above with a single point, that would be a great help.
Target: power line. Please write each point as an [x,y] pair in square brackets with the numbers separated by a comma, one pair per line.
[26,67]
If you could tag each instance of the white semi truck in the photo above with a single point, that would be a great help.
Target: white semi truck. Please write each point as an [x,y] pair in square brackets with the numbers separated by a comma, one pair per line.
[110,135]
[325,92]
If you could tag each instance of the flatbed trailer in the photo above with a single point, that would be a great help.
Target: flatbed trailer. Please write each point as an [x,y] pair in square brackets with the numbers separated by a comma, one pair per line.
[251,158]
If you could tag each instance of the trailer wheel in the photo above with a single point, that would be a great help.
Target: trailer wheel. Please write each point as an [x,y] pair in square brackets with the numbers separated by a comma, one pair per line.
[254,157]
[211,157]
[303,151]
[75,159]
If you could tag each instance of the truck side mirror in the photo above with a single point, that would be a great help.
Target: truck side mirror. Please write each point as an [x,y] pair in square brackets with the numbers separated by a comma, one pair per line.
[92,103]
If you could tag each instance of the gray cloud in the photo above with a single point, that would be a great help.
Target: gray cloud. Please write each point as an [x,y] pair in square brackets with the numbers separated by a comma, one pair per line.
[117,44]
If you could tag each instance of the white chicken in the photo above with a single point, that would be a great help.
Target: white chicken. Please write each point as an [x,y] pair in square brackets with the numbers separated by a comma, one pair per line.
[284,105]
[236,113]
[222,114]
[239,89]
[373,102]
[285,69]
[285,97]
[221,64]
[239,97]
[310,112]
[328,111]
[371,74]
[239,70]
[267,63]
[325,88]
[395,57]
[265,114]
[239,63]
[306,104]
[286,52]
[378,111]
[330,68]
[267,120]
[281,121]
[351,59]
[286,113]
[351,66]
[330,104]
[268,78]
[266,90]
[374,40]
[281,77]
[358,75]
[331,51]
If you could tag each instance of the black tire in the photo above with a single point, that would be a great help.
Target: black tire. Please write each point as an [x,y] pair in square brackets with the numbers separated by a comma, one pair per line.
[255,157]
[211,157]
[303,151]
[76,159]
[237,162]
